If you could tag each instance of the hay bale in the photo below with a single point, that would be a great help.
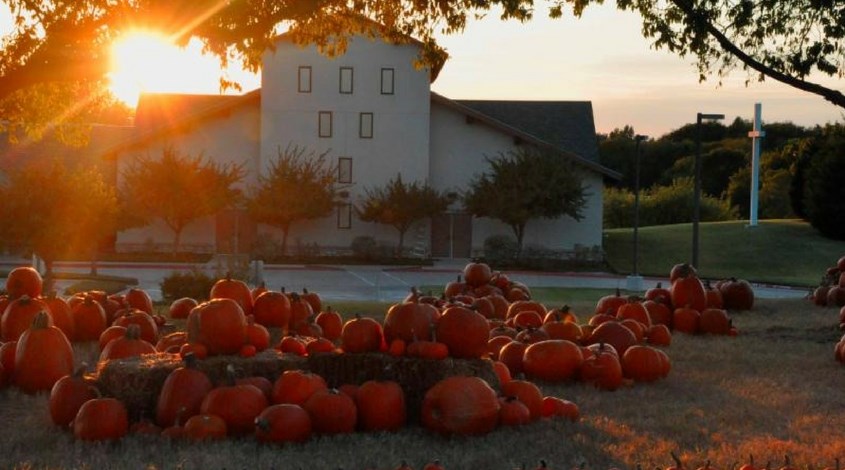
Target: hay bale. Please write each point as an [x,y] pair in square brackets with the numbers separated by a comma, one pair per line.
[137,381]
[414,375]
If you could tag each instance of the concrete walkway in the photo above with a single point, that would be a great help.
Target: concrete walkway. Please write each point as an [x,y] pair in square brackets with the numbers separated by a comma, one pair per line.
[382,283]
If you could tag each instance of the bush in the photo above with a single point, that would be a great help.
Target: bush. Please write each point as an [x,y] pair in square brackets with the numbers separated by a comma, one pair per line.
[194,284]
[663,205]
[500,248]
[364,247]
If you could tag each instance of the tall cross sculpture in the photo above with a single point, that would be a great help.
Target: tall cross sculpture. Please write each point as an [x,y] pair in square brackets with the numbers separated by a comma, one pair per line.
[756,134]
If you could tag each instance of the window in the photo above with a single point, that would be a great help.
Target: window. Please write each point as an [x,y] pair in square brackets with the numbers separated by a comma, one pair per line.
[365,125]
[387,81]
[305,79]
[344,170]
[325,124]
[344,216]
[346,80]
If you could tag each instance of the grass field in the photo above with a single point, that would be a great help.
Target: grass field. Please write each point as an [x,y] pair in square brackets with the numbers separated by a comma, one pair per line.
[774,390]
[776,251]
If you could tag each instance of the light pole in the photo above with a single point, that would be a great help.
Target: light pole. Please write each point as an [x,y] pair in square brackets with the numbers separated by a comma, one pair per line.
[696,200]
[637,139]
[635,281]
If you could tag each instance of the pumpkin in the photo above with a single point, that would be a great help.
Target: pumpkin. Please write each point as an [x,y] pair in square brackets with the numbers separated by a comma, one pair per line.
[296,386]
[256,334]
[659,294]
[511,355]
[205,427]
[460,405]
[331,323]
[686,320]
[610,303]
[172,342]
[427,349]
[43,355]
[61,315]
[689,291]
[409,321]
[713,296]
[101,419]
[737,294]
[658,313]
[238,405]
[463,331]
[148,329]
[513,412]
[184,389]
[89,319]
[453,288]
[615,334]
[233,289]
[273,310]
[130,345]
[553,360]
[659,335]
[558,407]
[139,299]
[23,280]
[219,324]
[18,316]
[532,335]
[502,372]
[681,270]
[361,334]
[313,300]
[477,274]
[522,305]
[714,321]
[381,406]
[528,393]
[180,308]
[332,412]
[602,369]
[643,364]
[300,311]
[67,396]
[292,345]
[283,423]
[635,310]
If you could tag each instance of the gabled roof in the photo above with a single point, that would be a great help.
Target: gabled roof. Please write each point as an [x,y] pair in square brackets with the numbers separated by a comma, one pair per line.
[563,126]
[161,113]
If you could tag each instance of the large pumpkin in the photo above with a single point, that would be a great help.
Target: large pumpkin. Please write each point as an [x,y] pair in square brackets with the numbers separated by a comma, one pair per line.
[552,360]
[464,332]
[409,321]
[381,406]
[283,423]
[218,324]
[272,309]
[737,294]
[23,280]
[67,396]
[19,314]
[101,419]
[460,405]
[238,405]
[361,334]
[43,356]
[614,334]
[182,392]
[234,289]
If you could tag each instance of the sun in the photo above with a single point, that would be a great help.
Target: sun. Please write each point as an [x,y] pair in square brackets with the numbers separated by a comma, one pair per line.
[140,62]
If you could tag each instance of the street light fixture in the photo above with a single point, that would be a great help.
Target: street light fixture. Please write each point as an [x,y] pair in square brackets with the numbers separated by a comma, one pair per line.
[696,205]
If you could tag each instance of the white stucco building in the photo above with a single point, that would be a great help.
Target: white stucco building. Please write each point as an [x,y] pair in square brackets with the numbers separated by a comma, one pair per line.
[374,113]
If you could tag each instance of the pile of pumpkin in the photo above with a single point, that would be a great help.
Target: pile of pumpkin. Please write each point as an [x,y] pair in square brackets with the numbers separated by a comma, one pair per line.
[289,408]
[831,290]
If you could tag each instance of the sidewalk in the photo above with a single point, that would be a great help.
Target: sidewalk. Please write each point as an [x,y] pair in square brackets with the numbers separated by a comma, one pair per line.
[381,283]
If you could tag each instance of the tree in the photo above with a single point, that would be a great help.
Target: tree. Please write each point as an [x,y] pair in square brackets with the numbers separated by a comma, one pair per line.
[179,189]
[298,186]
[526,184]
[823,191]
[784,41]
[53,210]
[400,205]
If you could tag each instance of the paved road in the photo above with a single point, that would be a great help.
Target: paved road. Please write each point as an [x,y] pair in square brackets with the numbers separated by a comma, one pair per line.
[383,283]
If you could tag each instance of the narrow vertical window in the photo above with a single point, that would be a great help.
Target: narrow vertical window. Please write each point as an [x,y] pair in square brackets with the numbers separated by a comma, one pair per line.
[344,216]
[325,124]
[387,81]
[365,125]
[305,79]
[344,170]
[346,80]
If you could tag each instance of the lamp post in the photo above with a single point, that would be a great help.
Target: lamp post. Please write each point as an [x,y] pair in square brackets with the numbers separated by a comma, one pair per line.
[696,202]
[635,281]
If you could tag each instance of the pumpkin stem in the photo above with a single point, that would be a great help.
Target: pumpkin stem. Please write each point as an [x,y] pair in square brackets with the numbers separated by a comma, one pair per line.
[677,460]
[231,376]
[41,320]
[133,332]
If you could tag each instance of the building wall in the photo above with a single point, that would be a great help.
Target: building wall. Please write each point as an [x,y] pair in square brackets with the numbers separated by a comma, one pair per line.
[400,122]
[229,139]
[458,150]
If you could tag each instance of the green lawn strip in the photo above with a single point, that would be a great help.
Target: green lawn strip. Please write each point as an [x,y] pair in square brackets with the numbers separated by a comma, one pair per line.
[776,251]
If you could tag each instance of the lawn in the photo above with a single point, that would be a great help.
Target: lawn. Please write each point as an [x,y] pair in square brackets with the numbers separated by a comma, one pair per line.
[776,251]
[774,390]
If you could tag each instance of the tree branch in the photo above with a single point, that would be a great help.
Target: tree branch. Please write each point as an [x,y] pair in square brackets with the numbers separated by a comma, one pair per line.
[829,94]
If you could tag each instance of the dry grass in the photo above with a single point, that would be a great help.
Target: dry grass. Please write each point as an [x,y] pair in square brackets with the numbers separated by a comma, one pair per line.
[774,390]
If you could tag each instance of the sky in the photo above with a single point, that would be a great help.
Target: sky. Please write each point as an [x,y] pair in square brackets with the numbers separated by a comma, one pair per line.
[601,58]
